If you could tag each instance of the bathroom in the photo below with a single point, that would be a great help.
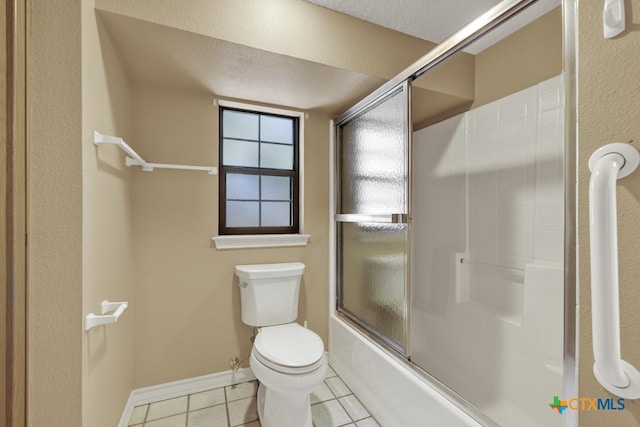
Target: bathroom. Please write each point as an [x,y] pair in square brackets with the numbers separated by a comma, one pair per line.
[99,230]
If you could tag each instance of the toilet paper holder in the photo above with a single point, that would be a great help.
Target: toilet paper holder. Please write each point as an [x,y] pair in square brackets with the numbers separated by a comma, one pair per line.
[117,308]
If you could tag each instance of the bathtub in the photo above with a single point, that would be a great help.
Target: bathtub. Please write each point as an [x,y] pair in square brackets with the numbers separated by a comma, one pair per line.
[390,390]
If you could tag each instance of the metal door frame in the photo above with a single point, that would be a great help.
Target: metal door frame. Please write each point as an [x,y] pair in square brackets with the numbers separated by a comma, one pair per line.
[403,88]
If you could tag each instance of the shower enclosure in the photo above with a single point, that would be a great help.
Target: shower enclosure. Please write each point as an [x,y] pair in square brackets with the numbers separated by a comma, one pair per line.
[449,238]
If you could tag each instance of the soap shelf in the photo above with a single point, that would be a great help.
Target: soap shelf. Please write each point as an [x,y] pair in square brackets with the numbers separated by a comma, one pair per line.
[118,308]
[134,159]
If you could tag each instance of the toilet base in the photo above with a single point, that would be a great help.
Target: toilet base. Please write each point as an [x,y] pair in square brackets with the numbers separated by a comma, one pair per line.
[284,399]
[283,410]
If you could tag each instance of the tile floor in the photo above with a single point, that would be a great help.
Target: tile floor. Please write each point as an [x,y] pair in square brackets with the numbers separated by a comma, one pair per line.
[332,405]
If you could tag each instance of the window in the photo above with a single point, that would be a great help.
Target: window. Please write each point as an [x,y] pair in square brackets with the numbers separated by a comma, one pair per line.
[259,172]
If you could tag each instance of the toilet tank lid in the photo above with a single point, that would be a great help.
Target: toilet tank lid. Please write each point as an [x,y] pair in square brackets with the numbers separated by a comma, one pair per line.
[265,271]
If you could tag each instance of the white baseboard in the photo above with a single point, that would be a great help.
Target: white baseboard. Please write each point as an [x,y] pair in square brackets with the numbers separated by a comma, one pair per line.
[142,396]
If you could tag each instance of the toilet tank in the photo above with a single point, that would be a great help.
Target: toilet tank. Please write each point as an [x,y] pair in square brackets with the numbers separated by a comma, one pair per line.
[269,293]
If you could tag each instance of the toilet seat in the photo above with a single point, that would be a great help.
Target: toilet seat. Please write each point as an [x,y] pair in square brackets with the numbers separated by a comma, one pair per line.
[290,348]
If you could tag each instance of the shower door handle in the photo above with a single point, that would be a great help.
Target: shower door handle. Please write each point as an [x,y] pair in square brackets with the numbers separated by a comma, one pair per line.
[397,218]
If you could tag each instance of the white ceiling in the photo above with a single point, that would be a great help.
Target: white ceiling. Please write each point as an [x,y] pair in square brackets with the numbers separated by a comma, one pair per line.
[435,20]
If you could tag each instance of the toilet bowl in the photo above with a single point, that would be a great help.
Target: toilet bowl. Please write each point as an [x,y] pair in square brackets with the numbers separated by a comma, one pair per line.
[290,364]
[287,359]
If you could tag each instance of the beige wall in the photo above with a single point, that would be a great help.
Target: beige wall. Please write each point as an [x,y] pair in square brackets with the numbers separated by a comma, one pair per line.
[269,25]
[608,111]
[187,305]
[522,59]
[526,57]
[90,239]
[330,38]
[107,232]
[55,215]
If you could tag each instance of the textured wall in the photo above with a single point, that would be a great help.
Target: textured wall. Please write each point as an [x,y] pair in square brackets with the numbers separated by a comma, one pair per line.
[107,265]
[524,58]
[305,31]
[608,109]
[187,302]
[338,40]
[55,215]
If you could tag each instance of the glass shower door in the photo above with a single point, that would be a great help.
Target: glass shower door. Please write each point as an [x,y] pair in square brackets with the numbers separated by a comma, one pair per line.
[372,219]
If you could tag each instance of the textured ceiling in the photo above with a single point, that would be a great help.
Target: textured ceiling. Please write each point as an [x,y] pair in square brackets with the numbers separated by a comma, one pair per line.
[435,20]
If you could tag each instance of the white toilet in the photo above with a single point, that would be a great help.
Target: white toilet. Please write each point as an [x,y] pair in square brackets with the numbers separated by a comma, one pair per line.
[287,358]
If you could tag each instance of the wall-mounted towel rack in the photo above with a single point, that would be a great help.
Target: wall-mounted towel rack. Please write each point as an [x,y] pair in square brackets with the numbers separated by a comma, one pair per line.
[134,158]
[118,308]
[607,164]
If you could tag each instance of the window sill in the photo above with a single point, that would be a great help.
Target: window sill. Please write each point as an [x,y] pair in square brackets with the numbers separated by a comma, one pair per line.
[260,241]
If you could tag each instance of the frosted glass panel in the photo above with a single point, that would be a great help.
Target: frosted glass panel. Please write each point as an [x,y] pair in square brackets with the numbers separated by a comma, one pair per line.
[276,129]
[242,214]
[240,125]
[373,158]
[241,186]
[276,156]
[240,153]
[373,273]
[276,188]
[276,214]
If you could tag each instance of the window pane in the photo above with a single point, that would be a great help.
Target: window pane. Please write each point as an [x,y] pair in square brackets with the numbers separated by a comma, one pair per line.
[242,186]
[276,129]
[239,153]
[242,214]
[276,156]
[239,125]
[276,188]
[276,214]
[257,163]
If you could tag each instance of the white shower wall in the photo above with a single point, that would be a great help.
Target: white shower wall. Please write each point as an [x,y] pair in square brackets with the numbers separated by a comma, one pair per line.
[487,276]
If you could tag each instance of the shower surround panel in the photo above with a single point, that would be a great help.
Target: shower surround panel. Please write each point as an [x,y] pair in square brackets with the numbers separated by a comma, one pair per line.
[487,302]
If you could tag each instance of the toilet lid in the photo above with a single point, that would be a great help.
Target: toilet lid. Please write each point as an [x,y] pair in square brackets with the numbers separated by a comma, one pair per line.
[289,346]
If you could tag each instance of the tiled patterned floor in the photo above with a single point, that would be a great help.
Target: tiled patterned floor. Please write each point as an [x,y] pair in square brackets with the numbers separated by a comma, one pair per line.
[332,405]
